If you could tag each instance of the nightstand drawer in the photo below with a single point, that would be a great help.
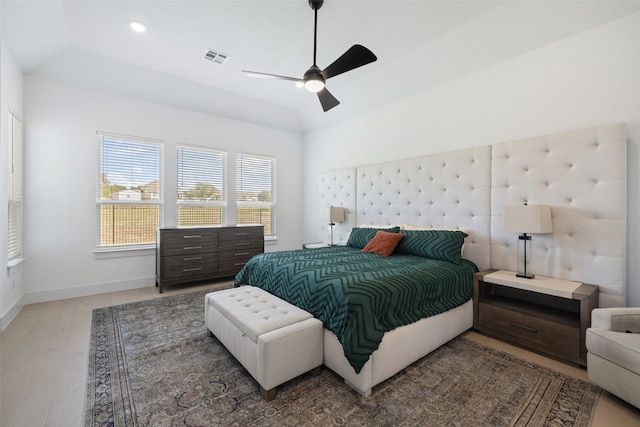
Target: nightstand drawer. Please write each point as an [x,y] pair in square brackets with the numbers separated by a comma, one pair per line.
[556,336]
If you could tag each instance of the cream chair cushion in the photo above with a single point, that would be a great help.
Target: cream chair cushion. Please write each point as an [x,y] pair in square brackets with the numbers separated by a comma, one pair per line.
[613,345]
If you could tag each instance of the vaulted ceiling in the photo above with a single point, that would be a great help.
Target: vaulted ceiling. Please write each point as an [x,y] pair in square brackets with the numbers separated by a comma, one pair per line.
[419,45]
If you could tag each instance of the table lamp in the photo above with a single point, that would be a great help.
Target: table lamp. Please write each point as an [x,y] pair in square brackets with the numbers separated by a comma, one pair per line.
[335,214]
[526,219]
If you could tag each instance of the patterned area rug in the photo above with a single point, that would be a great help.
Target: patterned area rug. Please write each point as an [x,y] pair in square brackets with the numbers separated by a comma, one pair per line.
[153,363]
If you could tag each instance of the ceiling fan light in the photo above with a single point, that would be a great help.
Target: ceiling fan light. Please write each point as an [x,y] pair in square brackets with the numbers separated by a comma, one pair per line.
[313,79]
[314,85]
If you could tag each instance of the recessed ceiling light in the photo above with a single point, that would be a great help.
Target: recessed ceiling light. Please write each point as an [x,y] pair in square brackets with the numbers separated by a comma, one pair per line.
[138,27]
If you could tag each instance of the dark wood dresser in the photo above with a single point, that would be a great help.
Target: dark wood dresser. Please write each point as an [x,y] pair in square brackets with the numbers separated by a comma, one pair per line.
[200,253]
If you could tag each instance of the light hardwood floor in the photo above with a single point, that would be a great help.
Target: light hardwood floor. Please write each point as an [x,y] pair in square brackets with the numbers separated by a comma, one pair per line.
[44,352]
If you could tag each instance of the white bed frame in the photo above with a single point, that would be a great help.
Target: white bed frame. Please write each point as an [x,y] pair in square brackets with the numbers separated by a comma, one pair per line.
[573,172]
[399,348]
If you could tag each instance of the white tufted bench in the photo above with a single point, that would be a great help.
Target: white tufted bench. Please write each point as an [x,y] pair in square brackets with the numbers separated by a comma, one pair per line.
[274,340]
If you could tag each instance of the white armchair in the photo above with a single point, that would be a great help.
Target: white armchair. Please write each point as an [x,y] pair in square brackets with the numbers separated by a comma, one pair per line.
[613,351]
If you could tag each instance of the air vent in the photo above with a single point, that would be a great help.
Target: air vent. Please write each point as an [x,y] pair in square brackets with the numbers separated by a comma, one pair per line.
[216,57]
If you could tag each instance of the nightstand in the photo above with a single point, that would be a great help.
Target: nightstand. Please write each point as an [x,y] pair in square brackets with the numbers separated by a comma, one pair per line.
[546,315]
[314,245]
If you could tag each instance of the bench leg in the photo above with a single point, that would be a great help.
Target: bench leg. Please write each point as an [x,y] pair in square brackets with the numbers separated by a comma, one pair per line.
[268,394]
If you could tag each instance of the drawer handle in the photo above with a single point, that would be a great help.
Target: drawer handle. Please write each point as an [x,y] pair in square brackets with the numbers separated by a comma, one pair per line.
[523,327]
[242,243]
[242,253]
[193,258]
[186,270]
[238,264]
[186,248]
[195,236]
[242,234]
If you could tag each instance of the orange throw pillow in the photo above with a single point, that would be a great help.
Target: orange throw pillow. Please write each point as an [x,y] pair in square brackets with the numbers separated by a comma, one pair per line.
[383,243]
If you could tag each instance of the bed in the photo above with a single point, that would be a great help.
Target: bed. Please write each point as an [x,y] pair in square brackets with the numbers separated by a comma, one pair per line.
[581,174]
[365,297]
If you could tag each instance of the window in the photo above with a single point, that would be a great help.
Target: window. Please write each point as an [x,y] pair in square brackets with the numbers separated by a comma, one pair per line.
[255,191]
[202,196]
[14,186]
[129,190]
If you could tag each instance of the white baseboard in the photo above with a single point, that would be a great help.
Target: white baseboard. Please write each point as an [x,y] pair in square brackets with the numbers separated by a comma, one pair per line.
[94,289]
[11,314]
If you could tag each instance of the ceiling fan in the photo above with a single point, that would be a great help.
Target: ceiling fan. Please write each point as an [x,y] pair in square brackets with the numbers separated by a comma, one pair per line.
[314,79]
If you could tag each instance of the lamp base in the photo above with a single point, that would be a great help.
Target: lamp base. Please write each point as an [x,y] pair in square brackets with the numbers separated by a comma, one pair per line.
[331,224]
[523,270]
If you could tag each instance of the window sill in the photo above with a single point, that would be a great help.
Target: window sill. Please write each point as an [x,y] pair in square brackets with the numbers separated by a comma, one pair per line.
[270,240]
[120,251]
[13,263]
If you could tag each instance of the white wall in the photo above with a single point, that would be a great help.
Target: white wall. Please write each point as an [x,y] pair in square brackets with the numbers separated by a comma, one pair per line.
[60,184]
[11,284]
[582,81]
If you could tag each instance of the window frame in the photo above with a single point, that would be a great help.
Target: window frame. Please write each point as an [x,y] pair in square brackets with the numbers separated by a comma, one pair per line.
[15,189]
[222,203]
[100,202]
[270,234]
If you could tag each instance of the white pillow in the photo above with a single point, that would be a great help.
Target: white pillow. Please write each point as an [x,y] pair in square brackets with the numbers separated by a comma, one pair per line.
[414,227]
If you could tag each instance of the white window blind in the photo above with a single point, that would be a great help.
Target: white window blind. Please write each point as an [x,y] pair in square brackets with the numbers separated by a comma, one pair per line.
[201,186]
[129,190]
[14,186]
[255,191]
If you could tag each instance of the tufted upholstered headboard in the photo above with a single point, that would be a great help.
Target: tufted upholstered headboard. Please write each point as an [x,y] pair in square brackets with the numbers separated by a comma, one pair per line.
[338,188]
[443,191]
[580,174]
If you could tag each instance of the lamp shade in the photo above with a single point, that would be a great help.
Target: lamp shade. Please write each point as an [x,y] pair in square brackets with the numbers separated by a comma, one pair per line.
[530,219]
[335,214]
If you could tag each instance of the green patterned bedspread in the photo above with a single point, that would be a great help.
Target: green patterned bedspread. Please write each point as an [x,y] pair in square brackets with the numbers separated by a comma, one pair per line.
[360,296]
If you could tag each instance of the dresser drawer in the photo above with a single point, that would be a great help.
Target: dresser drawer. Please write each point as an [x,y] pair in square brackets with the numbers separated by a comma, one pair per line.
[233,261]
[248,232]
[186,241]
[242,245]
[189,266]
[556,336]
[241,237]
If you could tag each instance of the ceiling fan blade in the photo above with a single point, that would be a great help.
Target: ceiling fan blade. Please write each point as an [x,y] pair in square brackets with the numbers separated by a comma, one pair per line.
[327,100]
[271,76]
[355,57]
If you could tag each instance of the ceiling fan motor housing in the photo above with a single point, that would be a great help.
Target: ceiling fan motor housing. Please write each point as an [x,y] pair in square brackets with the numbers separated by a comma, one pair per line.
[316,4]
[313,79]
